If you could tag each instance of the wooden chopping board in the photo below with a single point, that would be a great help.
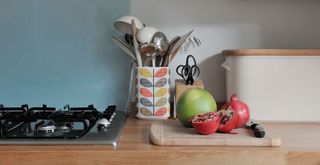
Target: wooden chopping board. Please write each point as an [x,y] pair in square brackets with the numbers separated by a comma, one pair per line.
[171,132]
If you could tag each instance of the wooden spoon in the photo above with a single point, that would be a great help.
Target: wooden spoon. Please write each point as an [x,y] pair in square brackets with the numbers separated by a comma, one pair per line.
[135,43]
[149,51]
[168,55]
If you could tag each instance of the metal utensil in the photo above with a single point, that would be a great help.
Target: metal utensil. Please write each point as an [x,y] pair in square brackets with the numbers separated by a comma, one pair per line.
[161,43]
[123,24]
[191,43]
[149,51]
[187,71]
[159,60]
[173,52]
[181,41]
[131,85]
[135,43]
[146,61]
[197,41]
[166,57]
[125,47]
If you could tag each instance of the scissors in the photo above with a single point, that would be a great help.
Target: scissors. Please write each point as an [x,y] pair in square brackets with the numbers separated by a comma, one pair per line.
[187,71]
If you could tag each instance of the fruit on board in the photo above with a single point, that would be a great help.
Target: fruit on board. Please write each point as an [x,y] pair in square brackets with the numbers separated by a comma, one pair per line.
[192,102]
[229,120]
[240,108]
[235,114]
[206,123]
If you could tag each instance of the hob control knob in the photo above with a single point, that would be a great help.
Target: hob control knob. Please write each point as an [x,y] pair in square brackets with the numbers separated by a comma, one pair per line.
[103,124]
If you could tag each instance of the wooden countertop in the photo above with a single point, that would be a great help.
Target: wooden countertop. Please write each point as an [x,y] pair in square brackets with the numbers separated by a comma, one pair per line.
[300,145]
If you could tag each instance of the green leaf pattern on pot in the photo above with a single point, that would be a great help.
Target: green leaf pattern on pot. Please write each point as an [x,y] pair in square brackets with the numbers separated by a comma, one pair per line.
[161,102]
[160,83]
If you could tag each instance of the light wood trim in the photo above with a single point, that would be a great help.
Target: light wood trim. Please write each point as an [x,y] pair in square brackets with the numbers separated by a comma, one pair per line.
[272,52]
[156,134]
[171,132]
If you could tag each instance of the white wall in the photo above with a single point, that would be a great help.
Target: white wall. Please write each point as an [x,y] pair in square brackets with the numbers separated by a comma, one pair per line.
[230,24]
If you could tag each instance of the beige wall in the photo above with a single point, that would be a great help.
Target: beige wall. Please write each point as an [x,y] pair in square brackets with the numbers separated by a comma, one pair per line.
[229,24]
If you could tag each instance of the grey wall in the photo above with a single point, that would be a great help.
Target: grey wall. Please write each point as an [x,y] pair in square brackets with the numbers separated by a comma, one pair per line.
[230,24]
[59,52]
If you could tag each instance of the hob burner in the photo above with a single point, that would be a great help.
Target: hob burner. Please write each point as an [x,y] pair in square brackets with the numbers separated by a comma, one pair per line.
[70,125]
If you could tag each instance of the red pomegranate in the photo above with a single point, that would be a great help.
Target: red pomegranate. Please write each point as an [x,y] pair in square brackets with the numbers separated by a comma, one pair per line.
[241,109]
[206,123]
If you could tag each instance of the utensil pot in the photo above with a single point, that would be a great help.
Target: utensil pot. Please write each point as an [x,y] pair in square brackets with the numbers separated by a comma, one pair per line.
[153,94]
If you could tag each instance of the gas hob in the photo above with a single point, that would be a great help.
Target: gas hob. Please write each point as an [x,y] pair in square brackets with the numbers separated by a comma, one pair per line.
[72,125]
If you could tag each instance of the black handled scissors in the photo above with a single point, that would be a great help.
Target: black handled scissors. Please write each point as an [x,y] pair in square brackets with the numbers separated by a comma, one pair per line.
[187,71]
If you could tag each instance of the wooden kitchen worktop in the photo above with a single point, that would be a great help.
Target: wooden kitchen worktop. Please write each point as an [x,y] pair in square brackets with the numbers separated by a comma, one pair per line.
[300,145]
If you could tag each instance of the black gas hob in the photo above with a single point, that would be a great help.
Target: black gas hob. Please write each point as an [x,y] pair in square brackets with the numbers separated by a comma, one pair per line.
[70,125]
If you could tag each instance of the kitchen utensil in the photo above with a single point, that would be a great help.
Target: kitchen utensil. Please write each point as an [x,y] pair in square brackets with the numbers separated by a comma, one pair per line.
[166,57]
[161,43]
[153,59]
[144,35]
[146,61]
[153,92]
[128,39]
[131,85]
[135,43]
[187,71]
[125,47]
[197,41]
[159,60]
[257,128]
[181,41]
[173,52]
[149,51]
[171,132]
[191,43]
[123,24]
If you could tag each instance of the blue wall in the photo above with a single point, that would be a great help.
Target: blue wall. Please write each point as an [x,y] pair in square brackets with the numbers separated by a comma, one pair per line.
[59,52]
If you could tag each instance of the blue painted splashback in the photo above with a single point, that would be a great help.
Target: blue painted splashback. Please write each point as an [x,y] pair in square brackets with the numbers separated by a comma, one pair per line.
[59,52]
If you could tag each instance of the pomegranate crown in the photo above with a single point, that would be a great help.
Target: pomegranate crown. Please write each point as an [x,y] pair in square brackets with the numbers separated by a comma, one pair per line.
[234,97]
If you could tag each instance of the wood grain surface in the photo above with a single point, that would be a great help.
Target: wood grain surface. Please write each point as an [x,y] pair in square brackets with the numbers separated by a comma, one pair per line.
[272,52]
[300,145]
